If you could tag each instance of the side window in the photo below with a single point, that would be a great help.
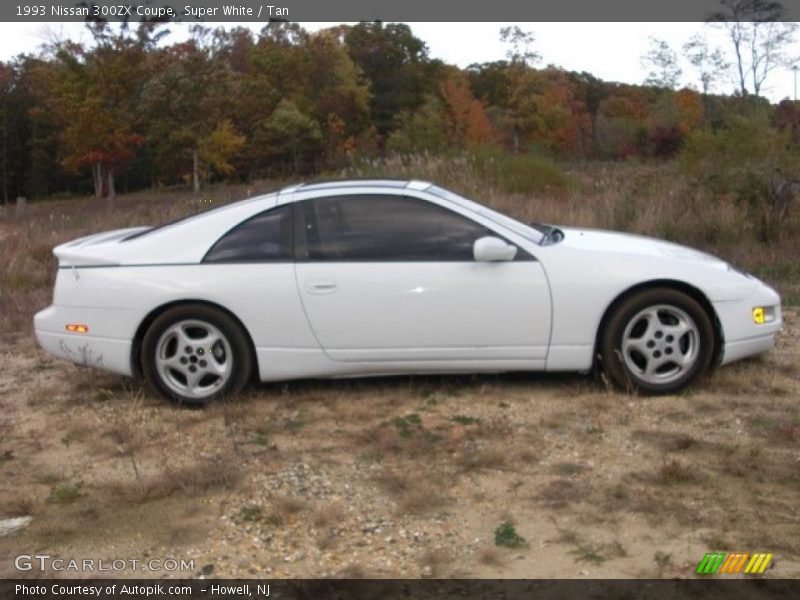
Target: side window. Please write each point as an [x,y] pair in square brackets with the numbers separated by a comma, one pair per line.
[383,228]
[266,237]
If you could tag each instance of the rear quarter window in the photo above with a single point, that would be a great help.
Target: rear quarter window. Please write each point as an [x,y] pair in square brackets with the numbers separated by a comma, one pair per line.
[266,237]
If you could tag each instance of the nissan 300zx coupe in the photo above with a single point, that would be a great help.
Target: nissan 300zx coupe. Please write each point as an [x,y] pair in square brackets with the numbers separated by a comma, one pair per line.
[381,277]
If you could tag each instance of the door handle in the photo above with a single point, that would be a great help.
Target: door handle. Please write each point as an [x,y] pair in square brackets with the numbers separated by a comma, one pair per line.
[321,286]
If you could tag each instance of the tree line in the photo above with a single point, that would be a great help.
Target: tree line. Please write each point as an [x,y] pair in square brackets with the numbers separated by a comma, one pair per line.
[126,111]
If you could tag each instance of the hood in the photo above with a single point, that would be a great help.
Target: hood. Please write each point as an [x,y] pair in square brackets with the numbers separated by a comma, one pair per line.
[638,245]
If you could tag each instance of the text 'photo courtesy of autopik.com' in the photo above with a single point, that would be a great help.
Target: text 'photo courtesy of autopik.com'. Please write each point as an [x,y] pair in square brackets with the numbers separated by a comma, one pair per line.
[373,299]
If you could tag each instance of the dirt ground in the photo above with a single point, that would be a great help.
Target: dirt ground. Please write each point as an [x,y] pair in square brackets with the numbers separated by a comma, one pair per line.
[517,475]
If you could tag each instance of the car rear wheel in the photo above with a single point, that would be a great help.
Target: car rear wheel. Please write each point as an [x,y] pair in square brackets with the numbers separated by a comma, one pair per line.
[194,354]
[657,341]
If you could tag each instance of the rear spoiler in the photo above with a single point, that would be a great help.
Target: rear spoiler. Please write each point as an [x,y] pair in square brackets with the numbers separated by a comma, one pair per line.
[90,250]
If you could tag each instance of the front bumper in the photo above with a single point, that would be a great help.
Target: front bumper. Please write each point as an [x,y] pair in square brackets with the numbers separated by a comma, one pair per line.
[742,335]
[79,348]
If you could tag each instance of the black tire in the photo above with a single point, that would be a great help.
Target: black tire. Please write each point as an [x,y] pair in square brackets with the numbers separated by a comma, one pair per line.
[236,350]
[628,367]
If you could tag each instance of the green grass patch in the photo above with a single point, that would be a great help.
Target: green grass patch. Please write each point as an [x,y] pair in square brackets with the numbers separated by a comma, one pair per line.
[408,425]
[248,514]
[465,420]
[506,535]
[66,493]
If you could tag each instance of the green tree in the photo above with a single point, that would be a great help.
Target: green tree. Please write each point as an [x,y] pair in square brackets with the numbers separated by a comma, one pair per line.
[289,133]
[216,150]
[184,106]
[334,92]
[397,66]
[420,131]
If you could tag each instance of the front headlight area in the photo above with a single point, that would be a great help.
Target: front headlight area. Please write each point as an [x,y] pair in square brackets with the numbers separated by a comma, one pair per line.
[764,314]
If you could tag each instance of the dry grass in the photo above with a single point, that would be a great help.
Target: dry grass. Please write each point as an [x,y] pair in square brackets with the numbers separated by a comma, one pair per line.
[18,505]
[435,561]
[559,493]
[414,492]
[476,456]
[451,453]
[286,509]
[674,470]
[491,556]
[200,476]
[328,515]
[405,435]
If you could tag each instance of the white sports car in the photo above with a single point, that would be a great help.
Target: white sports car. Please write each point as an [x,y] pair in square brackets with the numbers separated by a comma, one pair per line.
[354,278]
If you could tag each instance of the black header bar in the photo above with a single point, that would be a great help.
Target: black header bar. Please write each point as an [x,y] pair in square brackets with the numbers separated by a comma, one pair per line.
[371,10]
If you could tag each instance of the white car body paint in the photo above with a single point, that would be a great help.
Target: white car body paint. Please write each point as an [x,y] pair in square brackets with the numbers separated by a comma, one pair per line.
[338,319]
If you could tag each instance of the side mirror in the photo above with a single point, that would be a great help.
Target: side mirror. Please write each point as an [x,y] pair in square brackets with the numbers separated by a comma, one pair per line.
[492,249]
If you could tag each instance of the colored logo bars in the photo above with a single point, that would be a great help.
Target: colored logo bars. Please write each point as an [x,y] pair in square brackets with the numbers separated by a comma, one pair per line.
[734,562]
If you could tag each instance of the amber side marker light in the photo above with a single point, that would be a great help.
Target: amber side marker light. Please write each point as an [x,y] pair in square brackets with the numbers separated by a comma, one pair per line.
[77,328]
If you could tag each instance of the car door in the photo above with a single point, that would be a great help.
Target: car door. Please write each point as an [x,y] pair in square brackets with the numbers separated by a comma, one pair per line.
[386,277]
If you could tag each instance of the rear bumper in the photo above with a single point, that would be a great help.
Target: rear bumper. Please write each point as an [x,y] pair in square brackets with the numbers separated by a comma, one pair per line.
[82,349]
[743,337]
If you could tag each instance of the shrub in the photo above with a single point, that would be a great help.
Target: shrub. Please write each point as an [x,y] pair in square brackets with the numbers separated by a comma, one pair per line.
[750,161]
[506,535]
[519,173]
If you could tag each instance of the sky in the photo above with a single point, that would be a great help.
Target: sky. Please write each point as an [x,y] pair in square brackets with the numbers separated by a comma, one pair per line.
[609,51]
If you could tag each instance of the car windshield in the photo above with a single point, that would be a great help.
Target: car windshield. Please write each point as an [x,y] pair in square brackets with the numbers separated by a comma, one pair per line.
[529,233]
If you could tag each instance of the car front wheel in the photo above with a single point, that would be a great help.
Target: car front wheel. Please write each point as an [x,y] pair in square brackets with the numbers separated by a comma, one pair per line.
[194,354]
[657,341]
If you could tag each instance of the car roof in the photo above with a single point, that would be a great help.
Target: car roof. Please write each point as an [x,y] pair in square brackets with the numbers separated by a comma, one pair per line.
[314,186]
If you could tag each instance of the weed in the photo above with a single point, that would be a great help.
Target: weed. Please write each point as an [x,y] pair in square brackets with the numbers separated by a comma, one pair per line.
[464,420]
[506,535]
[716,542]
[675,471]
[588,553]
[491,556]
[662,560]
[435,560]
[566,536]
[49,478]
[214,472]
[248,514]
[408,425]
[66,493]
[18,506]
[261,439]
[275,520]
[284,508]
[568,469]
[414,493]
[475,457]
[296,424]
[560,492]
[328,515]
[496,428]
